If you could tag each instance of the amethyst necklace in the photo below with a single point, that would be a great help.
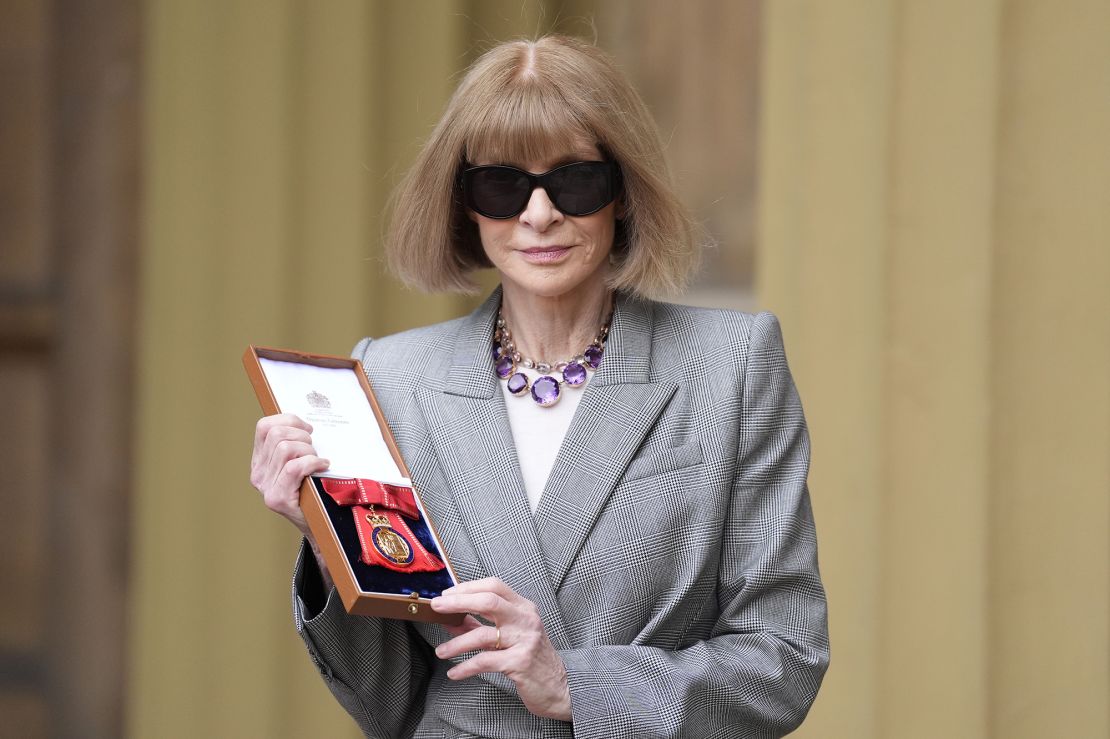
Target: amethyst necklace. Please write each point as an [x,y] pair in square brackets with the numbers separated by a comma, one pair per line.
[546,388]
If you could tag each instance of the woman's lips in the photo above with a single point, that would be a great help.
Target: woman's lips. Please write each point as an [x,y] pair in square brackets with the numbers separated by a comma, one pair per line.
[545,254]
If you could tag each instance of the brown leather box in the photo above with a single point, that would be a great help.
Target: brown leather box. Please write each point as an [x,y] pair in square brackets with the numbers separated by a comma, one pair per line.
[366,589]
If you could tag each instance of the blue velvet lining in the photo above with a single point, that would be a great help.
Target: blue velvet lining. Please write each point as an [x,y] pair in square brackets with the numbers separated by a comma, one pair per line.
[372,578]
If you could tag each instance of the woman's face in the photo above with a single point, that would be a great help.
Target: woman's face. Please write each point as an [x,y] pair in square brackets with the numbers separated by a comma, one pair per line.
[543,251]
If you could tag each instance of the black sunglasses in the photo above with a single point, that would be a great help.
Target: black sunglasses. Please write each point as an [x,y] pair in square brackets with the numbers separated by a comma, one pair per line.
[576,189]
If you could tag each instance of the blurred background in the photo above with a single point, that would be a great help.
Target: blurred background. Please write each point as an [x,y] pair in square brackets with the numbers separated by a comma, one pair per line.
[919,189]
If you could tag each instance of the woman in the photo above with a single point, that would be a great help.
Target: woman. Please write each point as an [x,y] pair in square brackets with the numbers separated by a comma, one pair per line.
[620,484]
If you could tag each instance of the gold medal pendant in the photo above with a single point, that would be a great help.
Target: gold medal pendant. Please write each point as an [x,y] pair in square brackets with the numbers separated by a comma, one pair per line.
[390,544]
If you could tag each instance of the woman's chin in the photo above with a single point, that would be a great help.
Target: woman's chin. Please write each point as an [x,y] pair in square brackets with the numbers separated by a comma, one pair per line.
[550,282]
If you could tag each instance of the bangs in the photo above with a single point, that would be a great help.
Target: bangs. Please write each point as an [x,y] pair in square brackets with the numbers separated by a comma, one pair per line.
[525,124]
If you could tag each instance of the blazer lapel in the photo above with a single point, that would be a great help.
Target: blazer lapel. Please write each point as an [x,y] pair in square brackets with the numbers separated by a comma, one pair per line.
[618,408]
[469,426]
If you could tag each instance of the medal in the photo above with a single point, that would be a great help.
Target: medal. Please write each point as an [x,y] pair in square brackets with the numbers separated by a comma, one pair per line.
[380,511]
[390,544]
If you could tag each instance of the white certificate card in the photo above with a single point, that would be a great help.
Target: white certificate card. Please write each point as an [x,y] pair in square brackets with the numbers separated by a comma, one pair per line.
[344,428]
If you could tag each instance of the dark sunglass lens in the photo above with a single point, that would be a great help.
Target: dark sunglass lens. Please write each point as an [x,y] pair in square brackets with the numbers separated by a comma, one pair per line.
[581,188]
[498,192]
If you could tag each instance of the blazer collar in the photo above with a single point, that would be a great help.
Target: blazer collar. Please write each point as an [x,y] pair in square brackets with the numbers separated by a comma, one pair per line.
[619,407]
[470,374]
[469,425]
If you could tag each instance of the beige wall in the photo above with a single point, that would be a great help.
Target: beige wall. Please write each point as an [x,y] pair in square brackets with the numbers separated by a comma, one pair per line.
[933,233]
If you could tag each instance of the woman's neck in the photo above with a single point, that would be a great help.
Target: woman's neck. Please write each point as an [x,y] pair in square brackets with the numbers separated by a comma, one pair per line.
[554,329]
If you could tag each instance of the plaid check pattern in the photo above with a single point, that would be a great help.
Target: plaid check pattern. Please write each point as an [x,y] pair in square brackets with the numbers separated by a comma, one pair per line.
[672,557]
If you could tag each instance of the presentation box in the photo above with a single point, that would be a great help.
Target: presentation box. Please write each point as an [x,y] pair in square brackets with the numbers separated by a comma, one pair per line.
[369,522]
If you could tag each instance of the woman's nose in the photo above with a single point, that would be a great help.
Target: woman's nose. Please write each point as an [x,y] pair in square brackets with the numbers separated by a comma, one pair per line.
[540,213]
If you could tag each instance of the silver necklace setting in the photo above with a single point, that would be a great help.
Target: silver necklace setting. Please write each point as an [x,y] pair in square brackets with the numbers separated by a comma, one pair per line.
[546,389]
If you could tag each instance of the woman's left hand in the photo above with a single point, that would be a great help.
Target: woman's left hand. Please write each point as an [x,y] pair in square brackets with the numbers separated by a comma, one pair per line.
[517,645]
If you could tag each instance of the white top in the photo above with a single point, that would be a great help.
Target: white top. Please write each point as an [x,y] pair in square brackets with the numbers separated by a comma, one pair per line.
[538,432]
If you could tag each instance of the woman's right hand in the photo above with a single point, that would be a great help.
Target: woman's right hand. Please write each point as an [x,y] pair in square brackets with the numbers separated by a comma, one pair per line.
[283,456]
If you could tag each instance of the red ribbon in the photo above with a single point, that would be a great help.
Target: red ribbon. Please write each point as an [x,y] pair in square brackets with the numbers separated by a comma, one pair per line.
[360,491]
[392,546]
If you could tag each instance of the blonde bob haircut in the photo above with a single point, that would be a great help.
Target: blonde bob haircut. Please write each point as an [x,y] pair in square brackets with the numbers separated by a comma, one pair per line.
[528,101]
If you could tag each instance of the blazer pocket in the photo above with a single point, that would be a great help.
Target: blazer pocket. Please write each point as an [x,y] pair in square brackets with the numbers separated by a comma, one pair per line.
[663,461]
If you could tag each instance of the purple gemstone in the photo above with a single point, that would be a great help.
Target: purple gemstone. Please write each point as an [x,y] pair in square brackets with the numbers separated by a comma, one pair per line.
[545,390]
[574,374]
[504,367]
[518,383]
[496,350]
[593,356]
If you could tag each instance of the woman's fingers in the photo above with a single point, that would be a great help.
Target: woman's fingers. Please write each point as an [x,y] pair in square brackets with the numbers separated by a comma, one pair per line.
[485,661]
[489,605]
[516,644]
[481,638]
[282,453]
[515,620]
[270,431]
[278,445]
[491,599]
[487,584]
[287,484]
[282,457]
[266,424]
[280,435]
[469,624]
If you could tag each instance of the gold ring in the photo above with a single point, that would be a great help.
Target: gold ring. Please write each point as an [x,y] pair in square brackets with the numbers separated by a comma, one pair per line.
[498,644]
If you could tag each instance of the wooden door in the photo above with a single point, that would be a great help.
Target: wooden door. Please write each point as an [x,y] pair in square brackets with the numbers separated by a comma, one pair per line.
[69,145]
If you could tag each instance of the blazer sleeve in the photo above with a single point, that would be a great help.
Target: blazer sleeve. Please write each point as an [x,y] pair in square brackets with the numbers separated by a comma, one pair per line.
[378,669]
[358,656]
[759,671]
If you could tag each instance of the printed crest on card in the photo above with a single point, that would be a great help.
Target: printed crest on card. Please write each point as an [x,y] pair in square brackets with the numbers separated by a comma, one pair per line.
[317,399]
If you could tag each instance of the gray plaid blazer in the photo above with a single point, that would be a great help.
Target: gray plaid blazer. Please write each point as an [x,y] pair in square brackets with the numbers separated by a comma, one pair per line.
[672,557]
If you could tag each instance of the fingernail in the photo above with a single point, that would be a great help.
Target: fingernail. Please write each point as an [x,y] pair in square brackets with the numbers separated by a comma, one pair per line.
[439,651]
